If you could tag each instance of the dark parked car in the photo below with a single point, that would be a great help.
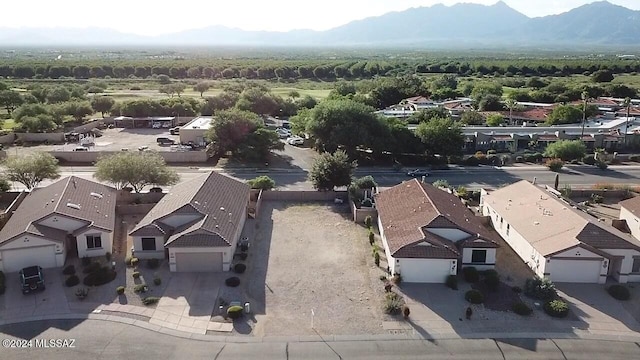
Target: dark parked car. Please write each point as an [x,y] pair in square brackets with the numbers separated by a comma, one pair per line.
[31,279]
[175,131]
[418,172]
[165,141]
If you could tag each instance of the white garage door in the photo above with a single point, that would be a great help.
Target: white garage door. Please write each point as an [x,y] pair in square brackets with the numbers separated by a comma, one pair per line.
[424,270]
[199,262]
[578,271]
[15,260]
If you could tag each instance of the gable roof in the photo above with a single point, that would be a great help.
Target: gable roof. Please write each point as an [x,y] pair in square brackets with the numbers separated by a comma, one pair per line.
[632,205]
[407,211]
[73,197]
[551,225]
[219,200]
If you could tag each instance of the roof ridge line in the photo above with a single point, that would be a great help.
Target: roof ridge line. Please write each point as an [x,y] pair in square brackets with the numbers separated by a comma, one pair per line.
[64,190]
[428,197]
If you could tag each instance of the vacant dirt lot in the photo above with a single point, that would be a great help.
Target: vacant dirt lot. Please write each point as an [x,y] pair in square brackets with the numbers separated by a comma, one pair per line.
[312,257]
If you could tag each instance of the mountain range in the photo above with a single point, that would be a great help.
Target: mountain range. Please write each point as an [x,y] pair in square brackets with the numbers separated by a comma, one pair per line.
[458,26]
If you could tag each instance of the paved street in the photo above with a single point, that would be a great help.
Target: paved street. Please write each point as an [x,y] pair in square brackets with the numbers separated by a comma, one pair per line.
[95,339]
[473,177]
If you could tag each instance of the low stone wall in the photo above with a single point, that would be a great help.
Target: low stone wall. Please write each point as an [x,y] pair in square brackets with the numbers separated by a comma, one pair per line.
[7,139]
[612,194]
[87,157]
[303,196]
[41,137]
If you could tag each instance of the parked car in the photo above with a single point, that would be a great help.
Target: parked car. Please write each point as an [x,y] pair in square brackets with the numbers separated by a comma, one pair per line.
[418,172]
[175,131]
[156,125]
[31,279]
[166,125]
[143,148]
[283,133]
[165,141]
[295,140]
[80,148]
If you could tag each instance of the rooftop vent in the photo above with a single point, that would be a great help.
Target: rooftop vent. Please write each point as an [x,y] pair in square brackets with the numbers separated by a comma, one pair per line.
[96,195]
[221,209]
[73,206]
[536,223]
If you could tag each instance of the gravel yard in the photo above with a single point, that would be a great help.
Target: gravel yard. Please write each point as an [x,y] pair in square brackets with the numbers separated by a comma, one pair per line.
[311,256]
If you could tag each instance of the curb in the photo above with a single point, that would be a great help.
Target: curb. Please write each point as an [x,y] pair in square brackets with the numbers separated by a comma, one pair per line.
[587,335]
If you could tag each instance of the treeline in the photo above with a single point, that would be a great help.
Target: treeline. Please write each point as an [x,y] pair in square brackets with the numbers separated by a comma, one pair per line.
[289,70]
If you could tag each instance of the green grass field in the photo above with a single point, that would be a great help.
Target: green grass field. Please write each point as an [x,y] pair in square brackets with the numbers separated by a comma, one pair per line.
[8,124]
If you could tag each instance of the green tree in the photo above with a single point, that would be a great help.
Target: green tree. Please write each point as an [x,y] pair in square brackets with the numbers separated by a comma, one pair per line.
[490,102]
[58,94]
[428,114]
[564,114]
[511,105]
[37,124]
[331,170]
[307,102]
[29,110]
[482,89]
[566,150]
[10,100]
[31,170]
[164,79]
[102,104]
[471,118]
[202,87]
[77,109]
[602,76]
[259,101]
[294,94]
[262,182]
[135,169]
[441,137]
[5,185]
[223,101]
[495,120]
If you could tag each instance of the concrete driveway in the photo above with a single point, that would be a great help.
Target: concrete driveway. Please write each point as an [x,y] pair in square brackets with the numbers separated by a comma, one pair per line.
[14,304]
[188,301]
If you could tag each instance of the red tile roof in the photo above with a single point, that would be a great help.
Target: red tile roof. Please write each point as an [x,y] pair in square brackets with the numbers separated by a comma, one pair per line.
[407,211]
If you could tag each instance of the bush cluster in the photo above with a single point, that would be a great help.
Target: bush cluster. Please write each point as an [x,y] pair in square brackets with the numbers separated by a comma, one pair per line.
[555,164]
[157,281]
[72,280]
[140,288]
[589,160]
[69,270]
[452,282]
[542,289]
[521,308]
[533,158]
[136,274]
[474,296]
[619,292]
[491,279]
[470,274]
[239,268]
[232,281]
[392,303]
[100,276]
[120,290]
[150,300]
[556,308]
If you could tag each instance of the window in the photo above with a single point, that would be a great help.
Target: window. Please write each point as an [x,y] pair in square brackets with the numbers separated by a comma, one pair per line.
[508,229]
[94,242]
[501,221]
[479,256]
[635,268]
[148,244]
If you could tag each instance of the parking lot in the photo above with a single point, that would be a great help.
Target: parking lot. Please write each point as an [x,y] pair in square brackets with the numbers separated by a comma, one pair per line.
[113,140]
[311,257]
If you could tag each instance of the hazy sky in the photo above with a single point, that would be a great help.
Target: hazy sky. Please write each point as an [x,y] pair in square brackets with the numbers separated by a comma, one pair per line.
[151,17]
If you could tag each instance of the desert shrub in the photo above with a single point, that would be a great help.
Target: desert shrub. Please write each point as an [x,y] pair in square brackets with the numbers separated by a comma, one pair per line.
[232,281]
[72,280]
[470,274]
[100,277]
[474,297]
[157,281]
[589,160]
[604,186]
[392,303]
[368,221]
[388,287]
[140,288]
[153,263]
[376,258]
[235,312]
[521,308]
[69,270]
[120,290]
[239,268]
[492,280]
[397,278]
[519,159]
[602,165]
[82,293]
[136,274]
[452,282]
[372,237]
[383,277]
[134,261]
[542,289]
[556,308]
[93,267]
[127,260]
[150,300]
[406,311]
[86,261]
[597,198]
[554,164]
[441,184]
[619,292]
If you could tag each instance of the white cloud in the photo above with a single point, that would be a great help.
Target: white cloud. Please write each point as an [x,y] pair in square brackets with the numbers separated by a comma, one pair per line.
[156,17]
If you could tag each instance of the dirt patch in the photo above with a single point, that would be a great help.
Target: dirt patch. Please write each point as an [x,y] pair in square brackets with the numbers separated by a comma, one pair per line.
[312,258]
[500,300]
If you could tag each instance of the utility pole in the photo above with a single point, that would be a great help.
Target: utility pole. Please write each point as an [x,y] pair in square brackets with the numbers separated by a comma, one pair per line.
[627,104]
[585,98]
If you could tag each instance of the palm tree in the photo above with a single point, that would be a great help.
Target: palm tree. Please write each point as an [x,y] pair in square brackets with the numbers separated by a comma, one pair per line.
[627,104]
[585,98]
[511,104]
